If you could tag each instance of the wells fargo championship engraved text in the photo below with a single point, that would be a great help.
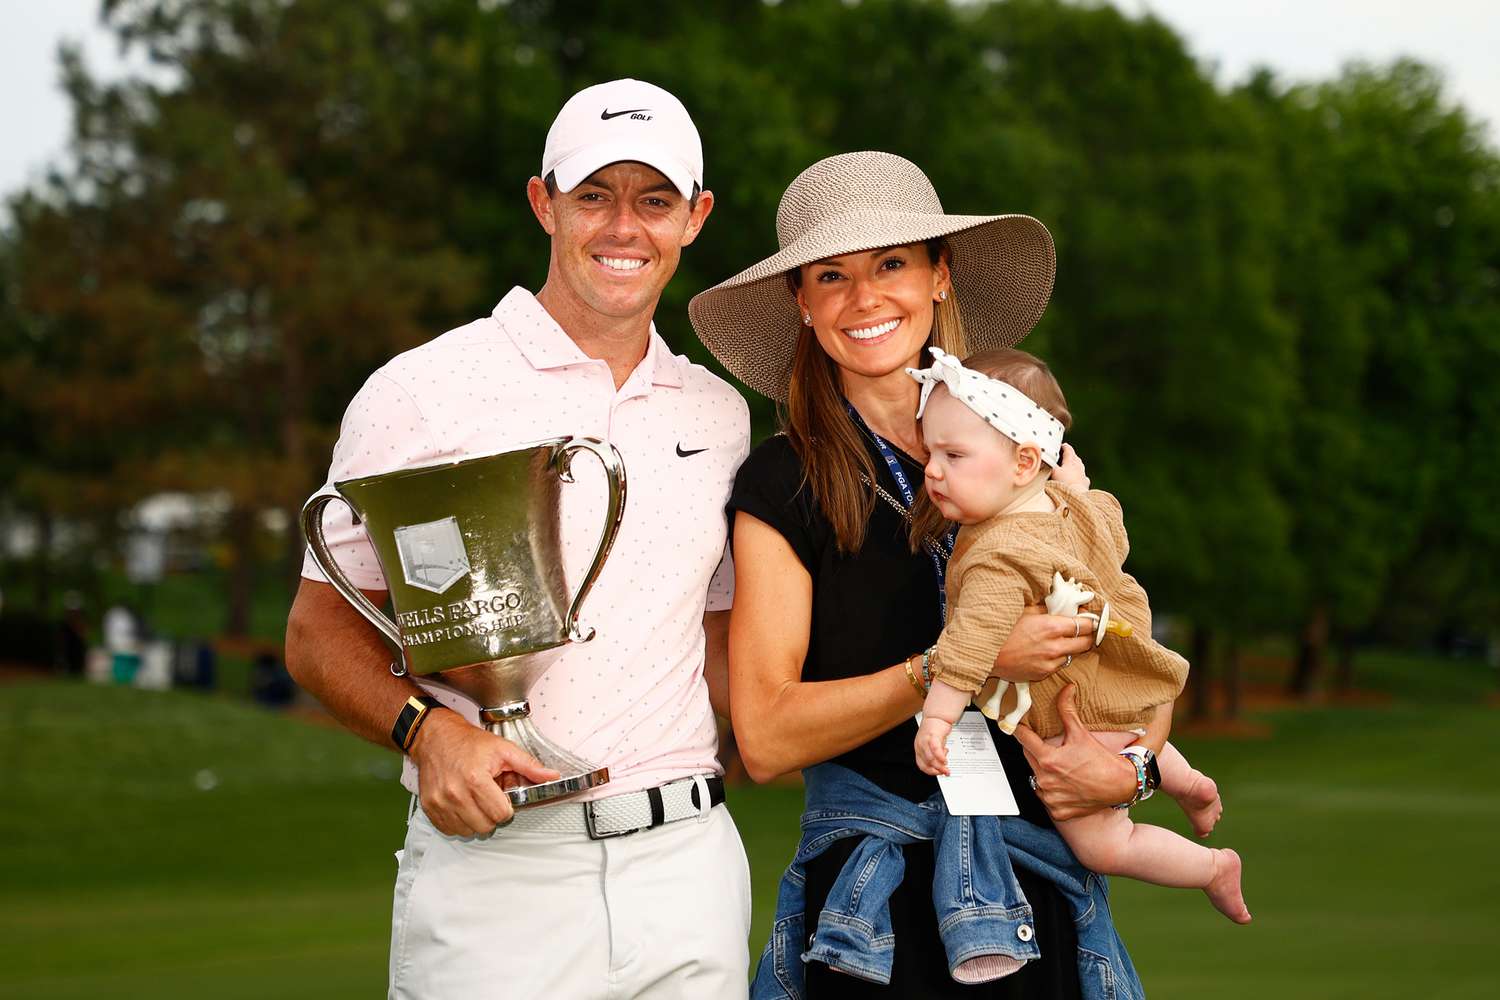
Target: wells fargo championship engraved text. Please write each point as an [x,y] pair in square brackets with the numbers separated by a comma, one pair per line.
[476,616]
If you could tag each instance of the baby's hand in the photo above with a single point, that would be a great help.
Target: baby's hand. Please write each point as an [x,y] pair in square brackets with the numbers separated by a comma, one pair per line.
[932,745]
[1070,470]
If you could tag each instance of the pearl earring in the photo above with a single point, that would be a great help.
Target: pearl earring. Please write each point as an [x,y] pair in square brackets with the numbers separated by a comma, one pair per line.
[943,295]
[807,318]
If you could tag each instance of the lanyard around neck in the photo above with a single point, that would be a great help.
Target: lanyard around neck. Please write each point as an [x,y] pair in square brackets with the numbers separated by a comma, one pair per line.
[937,550]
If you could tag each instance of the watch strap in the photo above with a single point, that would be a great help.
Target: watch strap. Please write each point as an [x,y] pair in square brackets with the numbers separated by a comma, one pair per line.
[412,715]
[1144,760]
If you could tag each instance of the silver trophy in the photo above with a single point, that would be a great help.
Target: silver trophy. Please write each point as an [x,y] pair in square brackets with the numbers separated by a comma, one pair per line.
[472,560]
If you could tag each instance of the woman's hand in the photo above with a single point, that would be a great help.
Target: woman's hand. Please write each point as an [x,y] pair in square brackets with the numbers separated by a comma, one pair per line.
[1078,776]
[1041,644]
[1070,471]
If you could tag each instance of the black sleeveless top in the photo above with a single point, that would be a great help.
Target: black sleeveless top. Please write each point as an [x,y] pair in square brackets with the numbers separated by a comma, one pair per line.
[871,610]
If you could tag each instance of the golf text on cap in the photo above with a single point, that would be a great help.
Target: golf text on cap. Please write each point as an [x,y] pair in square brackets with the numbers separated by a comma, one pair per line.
[635,114]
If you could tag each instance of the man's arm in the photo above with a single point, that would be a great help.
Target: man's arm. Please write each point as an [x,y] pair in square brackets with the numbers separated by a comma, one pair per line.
[344,662]
[716,660]
[341,659]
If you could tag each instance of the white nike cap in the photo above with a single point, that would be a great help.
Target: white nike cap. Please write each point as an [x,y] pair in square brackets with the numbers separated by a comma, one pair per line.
[623,120]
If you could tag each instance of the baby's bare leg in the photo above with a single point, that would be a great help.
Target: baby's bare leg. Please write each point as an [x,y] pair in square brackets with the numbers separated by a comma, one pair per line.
[1110,843]
[1194,791]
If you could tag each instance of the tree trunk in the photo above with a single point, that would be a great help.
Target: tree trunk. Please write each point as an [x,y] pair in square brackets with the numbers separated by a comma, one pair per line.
[1201,693]
[1343,680]
[294,448]
[44,564]
[293,549]
[241,571]
[1310,649]
[293,416]
[1231,683]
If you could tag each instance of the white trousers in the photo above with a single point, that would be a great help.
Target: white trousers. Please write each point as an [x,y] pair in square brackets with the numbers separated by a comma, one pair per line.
[664,913]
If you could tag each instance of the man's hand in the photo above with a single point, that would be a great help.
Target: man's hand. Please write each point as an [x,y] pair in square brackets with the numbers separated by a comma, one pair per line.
[1079,776]
[459,767]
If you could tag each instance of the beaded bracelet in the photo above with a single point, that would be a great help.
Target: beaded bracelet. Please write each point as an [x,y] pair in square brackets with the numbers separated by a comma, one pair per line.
[1140,779]
[927,664]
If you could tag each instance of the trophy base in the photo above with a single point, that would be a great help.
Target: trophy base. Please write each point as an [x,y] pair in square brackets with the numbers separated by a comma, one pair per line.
[512,722]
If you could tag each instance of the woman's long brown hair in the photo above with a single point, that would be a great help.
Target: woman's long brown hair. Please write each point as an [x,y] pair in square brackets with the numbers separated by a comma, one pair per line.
[834,458]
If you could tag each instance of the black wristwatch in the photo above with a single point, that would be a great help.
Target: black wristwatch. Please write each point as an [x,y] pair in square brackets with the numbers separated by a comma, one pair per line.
[413,714]
[1153,771]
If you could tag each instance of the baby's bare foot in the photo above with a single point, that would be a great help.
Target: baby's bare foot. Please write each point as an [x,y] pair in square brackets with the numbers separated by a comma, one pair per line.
[1224,889]
[1202,804]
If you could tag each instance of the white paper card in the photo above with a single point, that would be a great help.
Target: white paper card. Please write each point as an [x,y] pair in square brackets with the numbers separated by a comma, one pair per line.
[976,784]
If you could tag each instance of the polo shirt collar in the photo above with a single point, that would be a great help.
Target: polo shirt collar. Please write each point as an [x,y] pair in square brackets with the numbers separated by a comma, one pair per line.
[535,333]
[662,366]
[546,345]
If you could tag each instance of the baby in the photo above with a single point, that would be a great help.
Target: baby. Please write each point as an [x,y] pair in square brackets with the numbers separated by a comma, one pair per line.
[993,427]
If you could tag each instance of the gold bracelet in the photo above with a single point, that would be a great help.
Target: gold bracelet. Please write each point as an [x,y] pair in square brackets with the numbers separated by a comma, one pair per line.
[911,676]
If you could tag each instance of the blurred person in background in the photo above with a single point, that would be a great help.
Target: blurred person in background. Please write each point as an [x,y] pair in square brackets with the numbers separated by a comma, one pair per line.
[553,900]
[72,635]
[833,610]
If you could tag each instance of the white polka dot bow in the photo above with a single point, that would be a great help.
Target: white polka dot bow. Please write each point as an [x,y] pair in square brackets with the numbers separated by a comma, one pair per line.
[1000,404]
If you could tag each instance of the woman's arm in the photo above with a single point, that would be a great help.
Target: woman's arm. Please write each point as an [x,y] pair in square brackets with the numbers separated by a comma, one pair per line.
[781,722]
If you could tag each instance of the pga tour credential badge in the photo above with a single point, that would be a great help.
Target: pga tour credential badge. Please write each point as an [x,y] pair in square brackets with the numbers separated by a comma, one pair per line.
[432,554]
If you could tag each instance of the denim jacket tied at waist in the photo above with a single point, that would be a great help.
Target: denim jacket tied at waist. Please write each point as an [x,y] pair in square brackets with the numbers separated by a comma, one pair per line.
[980,907]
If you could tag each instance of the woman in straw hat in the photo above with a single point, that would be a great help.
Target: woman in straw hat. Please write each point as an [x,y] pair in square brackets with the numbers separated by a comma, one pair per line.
[888,894]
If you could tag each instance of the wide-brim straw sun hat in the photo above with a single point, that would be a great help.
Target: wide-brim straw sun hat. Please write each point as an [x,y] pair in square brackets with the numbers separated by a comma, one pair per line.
[1002,266]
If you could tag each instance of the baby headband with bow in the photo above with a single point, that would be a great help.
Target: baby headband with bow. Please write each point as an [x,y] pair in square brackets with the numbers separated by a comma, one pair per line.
[1000,404]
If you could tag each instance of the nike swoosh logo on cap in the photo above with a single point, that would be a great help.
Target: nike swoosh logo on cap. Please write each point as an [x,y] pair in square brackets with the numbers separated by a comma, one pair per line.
[607,114]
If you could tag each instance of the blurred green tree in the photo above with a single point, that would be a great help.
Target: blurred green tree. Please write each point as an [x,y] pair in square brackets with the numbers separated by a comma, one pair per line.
[233,253]
[1274,313]
[1162,329]
[1386,266]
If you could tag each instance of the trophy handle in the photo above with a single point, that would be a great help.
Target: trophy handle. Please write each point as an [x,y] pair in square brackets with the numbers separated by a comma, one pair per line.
[614,469]
[317,545]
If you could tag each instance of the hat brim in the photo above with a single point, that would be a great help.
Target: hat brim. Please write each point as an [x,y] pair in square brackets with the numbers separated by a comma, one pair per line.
[1002,267]
[572,169]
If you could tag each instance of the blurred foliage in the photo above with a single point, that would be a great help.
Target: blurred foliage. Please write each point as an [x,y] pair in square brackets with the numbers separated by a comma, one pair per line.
[1277,313]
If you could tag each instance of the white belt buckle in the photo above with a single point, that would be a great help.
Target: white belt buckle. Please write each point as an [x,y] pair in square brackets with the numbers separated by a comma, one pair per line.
[593,831]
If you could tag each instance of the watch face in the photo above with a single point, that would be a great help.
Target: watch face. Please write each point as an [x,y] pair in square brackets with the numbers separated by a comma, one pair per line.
[1153,771]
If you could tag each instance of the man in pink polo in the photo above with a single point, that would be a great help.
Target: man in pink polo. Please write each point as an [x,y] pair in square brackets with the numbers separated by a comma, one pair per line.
[639,887]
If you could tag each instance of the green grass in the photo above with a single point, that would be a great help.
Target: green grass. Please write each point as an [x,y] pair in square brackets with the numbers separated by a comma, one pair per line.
[1366,831]
[1367,836]
[127,878]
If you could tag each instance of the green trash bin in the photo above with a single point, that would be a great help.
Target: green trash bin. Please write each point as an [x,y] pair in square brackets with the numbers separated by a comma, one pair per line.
[123,667]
